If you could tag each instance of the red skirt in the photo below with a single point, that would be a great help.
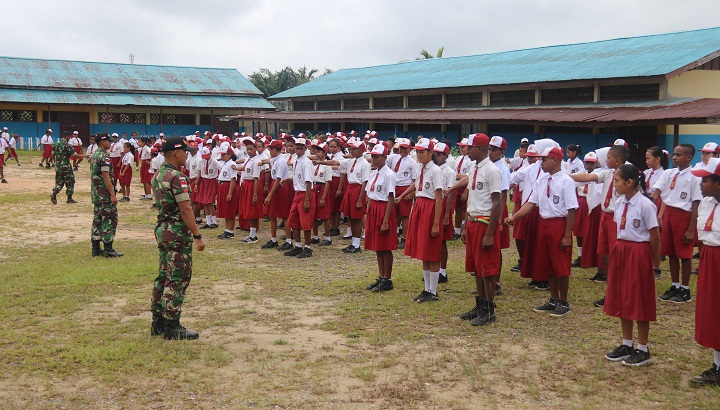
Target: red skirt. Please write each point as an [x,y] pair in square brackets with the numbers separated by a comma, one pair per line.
[78,152]
[520,227]
[419,244]
[530,236]
[322,212]
[484,262]
[349,204]
[550,258]
[145,175]
[504,230]
[126,178]
[225,208]
[590,257]
[403,207]
[608,234]
[449,229]
[374,240]
[675,223]
[47,151]
[335,201]
[581,217]
[207,191]
[707,308]
[116,167]
[631,282]
[246,209]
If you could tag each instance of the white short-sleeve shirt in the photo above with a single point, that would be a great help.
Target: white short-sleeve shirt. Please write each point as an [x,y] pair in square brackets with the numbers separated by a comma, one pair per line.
[679,189]
[381,182]
[128,158]
[558,199]
[641,216]
[403,168]
[279,168]
[463,164]
[253,168]
[227,172]
[209,168]
[651,177]
[432,180]
[358,170]
[484,180]
[448,174]
[322,174]
[504,172]
[303,173]
[606,177]
[711,237]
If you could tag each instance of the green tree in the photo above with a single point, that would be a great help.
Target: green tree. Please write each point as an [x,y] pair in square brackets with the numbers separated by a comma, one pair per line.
[424,54]
[271,83]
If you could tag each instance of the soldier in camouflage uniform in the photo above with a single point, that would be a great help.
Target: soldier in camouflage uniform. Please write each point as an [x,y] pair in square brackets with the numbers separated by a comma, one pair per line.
[64,175]
[105,214]
[175,231]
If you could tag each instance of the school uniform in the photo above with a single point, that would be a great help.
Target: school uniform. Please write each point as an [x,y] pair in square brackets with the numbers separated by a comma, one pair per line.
[651,177]
[404,168]
[278,207]
[419,244]
[76,144]
[289,190]
[116,153]
[3,144]
[127,161]
[11,145]
[358,171]
[226,178]
[462,166]
[607,234]
[251,172]
[449,179]
[707,308]
[47,142]
[155,163]
[335,201]
[484,180]
[145,158]
[208,185]
[554,196]
[630,276]
[322,175]
[505,186]
[526,228]
[381,182]
[299,218]
[678,190]
[575,165]
[583,213]
[193,173]
[591,231]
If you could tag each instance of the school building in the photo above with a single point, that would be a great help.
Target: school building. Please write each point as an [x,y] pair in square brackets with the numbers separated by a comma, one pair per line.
[91,97]
[651,90]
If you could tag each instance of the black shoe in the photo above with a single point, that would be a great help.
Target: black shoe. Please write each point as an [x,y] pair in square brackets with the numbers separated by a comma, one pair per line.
[599,303]
[532,284]
[206,226]
[427,297]
[314,241]
[53,198]
[269,245]
[576,263]
[383,286]
[670,293]
[70,200]
[374,284]
[516,268]
[96,250]
[542,285]
[475,311]
[546,308]
[620,353]
[455,236]
[306,253]
[682,296]
[213,226]
[285,247]
[561,309]
[696,255]
[638,358]
[710,376]
[75,168]
[124,199]
[421,295]
[442,278]
[226,235]
[485,316]
[281,225]
[401,244]
[599,277]
[334,231]
[266,219]
[109,252]
[658,272]
[249,239]
[175,331]
[352,249]
[158,326]
[294,251]
[4,181]
[325,242]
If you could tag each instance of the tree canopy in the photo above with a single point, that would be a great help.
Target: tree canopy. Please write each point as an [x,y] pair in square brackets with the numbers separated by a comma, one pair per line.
[271,83]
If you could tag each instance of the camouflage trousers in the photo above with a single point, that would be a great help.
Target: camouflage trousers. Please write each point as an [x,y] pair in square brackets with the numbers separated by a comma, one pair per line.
[173,279]
[105,220]
[64,176]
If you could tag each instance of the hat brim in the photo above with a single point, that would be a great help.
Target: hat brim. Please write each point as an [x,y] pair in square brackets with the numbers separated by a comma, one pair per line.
[701,173]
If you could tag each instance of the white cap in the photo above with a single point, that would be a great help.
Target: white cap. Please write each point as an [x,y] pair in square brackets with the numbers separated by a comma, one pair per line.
[300,141]
[114,134]
[498,141]
[524,140]
[160,135]
[710,147]
[379,149]
[423,144]
[74,132]
[463,142]
[621,141]
[225,149]
[372,141]
[590,156]
[441,147]
[356,143]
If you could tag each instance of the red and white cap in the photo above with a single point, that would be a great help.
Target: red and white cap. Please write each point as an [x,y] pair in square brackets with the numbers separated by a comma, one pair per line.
[248,141]
[523,140]
[319,145]
[225,149]
[441,147]
[276,144]
[590,157]
[49,130]
[301,135]
[205,153]
[259,135]
[115,134]
[478,140]
[372,141]
[208,133]
[403,142]
[498,141]
[159,135]
[532,151]
[300,140]
[463,142]
[710,147]
[74,132]
[379,149]
[355,143]
[423,144]
[434,140]
[553,152]
[711,168]
[621,141]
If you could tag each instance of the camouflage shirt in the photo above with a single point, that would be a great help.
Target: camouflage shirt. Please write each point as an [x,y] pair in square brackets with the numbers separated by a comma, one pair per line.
[62,151]
[171,187]
[100,162]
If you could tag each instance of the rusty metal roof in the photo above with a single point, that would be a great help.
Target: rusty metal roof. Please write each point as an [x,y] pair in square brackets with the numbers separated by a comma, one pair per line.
[683,111]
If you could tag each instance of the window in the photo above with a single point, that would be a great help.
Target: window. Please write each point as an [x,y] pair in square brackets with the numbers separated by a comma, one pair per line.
[154,118]
[52,117]
[568,95]
[180,119]
[17,115]
[303,105]
[464,100]
[388,103]
[107,117]
[426,128]
[205,119]
[512,98]
[120,118]
[494,129]
[328,105]
[632,92]
[425,101]
[357,104]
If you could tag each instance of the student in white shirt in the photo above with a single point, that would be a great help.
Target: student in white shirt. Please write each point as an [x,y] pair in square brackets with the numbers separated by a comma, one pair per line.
[276,199]
[442,152]
[302,210]
[574,153]
[335,153]
[462,165]
[134,141]
[355,201]
[76,143]
[126,171]
[656,160]
[145,175]
[404,167]
[207,186]
[322,177]
[251,193]
[11,145]
[46,144]
[227,192]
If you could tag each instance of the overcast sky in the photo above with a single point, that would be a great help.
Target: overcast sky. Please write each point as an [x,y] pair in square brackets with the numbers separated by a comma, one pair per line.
[249,35]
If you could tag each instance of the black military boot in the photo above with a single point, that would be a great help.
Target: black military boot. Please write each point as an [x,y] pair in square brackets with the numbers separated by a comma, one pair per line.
[109,252]
[175,331]
[96,251]
[71,200]
[53,198]
[158,325]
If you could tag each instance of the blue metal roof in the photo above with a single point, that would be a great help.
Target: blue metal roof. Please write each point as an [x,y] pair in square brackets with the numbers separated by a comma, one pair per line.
[16,95]
[35,73]
[626,57]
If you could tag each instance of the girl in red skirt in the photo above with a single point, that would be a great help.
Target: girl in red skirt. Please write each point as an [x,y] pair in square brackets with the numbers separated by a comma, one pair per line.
[276,199]
[251,198]
[207,187]
[336,154]
[145,176]
[630,280]
[583,213]
[322,178]
[126,170]
[380,220]
[442,151]
[227,192]
[707,309]
[424,237]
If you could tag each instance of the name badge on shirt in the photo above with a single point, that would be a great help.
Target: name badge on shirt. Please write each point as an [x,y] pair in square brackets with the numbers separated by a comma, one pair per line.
[427,185]
[405,174]
[683,195]
[378,188]
[479,185]
[636,223]
[358,174]
[224,173]
[321,174]
[556,199]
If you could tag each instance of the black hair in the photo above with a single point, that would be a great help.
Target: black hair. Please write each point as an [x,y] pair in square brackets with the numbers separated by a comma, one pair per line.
[212,144]
[93,136]
[658,152]
[132,148]
[233,157]
[630,171]
[714,178]
[577,148]
[620,151]
[689,147]
[524,145]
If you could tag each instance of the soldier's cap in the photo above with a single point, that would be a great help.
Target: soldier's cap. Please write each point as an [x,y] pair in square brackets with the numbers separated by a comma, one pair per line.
[175,143]
[102,136]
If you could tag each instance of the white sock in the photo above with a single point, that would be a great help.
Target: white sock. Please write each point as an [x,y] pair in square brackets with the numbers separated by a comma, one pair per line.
[288,241]
[356,242]
[252,232]
[579,251]
[315,237]
[685,287]
[298,244]
[443,272]
[349,232]
[458,230]
[426,276]
[308,247]
[273,240]
[397,230]
[644,348]
[327,238]
[716,354]
[434,276]
[676,285]
[214,219]
[628,342]
[463,224]
[228,231]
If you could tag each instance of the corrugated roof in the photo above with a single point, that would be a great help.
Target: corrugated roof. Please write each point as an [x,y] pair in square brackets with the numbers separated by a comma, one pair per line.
[58,74]
[138,99]
[685,111]
[620,58]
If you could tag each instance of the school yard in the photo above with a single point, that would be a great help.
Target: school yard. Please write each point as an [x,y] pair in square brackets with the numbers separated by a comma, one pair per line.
[280,332]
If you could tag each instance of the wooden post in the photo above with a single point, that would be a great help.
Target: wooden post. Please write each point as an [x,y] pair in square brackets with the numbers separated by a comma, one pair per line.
[676,136]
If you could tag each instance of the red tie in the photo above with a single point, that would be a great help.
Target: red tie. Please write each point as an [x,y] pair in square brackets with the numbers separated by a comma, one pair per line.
[422,171]
[475,177]
[609,195]
[647,183]
[548,186]
[709,222]
[207,166]
[622,220]
[317,169]
[372,186]
[289,161]
[586,188]
[672,184]
[352,168]
[397,166]
[460,164]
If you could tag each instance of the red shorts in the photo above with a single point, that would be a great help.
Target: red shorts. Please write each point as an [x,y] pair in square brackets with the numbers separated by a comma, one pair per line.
[607,235]
[207,191]
[590,257]
[550,258]
[335,201]
[529,231]
[47,151]
[459,203]
[374,240]
[631,282]
[504,230]
[78,152]
[419,244]
[193,191]
[707,308]
[277,208]
[520,227]
[675,223]
[126,178]
[322,212]
[116,167]
[403,208]
[484,262]
[246,209]
[2,161]
[225,208]
[11,153]
[581,217]
[349,205]
[299,218]
[145,175]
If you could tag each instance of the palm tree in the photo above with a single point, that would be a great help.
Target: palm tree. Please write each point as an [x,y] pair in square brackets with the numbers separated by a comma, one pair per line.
[271,83]
[424,54]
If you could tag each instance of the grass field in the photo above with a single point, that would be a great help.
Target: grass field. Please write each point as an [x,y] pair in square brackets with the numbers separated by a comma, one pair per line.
[280,332]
